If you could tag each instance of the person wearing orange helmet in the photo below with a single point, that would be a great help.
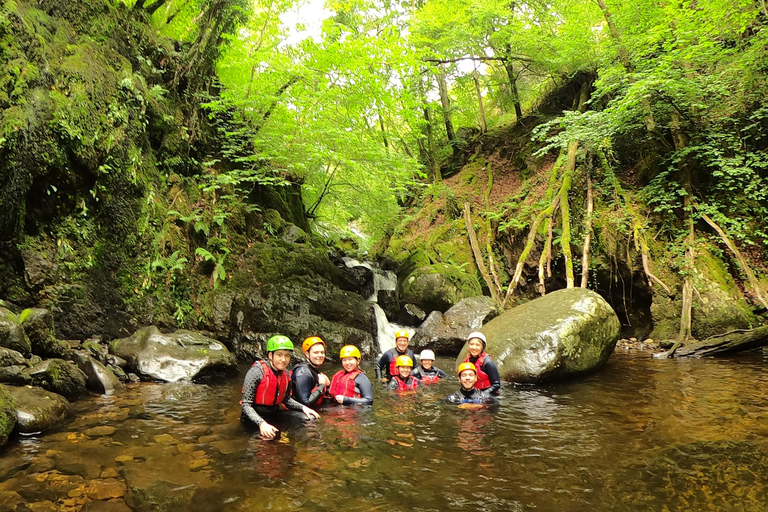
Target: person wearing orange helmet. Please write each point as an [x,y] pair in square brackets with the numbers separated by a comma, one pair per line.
[351,386]
[386,367]
[403,381]
[487,372]
[468,393]
[308,384]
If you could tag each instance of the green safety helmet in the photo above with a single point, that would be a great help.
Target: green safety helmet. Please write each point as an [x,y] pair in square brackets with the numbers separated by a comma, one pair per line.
[279,342]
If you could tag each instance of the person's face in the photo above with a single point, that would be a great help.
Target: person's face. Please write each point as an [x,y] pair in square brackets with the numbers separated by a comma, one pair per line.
[404,371]
[349,363]
[280,359]
[475,347]
[426,363]
[401,344]
[316,354]
[468,379]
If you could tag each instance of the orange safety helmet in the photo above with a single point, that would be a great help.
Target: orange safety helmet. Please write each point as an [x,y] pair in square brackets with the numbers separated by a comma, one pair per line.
[349,351]
[312,340]
[402,334]
[404,361]
[466,366]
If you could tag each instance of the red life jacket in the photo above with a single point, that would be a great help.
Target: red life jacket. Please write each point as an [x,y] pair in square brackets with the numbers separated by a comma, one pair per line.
[343,383]
[393,362]
[272,388]
[404,385]
[483,382]
[429,379]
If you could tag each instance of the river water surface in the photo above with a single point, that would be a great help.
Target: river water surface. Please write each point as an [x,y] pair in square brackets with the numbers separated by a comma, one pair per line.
[641,434]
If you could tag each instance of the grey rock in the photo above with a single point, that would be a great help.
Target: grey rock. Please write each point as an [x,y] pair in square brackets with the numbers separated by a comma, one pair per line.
[411,314]
[59,376]
[38,325]
[99,378]
[10,357]
[566,333]
[447,333]
[38,410]
[357,279]
[39,268]
[294,235]
[438,287]
[388,301]
[7,414]
[182,355]
[14,374]
[12,334]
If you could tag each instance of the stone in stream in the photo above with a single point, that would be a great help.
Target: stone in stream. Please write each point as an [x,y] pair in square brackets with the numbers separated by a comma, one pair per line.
[38,410]
[446,333]
[182,355]
[59,376]
[10,357]
[564,334]
[99,378]
[38,325]
[7,414]
[12,334]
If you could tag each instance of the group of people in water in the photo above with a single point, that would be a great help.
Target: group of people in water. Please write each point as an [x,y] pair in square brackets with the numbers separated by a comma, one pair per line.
[270,387]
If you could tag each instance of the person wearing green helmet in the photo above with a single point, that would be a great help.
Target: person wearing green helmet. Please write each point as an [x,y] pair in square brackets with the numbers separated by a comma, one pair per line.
[266,387]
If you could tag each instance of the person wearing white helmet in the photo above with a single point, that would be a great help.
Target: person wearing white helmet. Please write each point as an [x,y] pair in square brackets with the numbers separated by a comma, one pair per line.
[487,373]
[426,373]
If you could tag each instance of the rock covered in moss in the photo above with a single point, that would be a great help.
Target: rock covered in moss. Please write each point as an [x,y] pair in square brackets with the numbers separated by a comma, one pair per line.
[37,409]
[58,376]
[7,414]
[182,355]
[447,333]
[38,325]
[566,333]
[12,334]
[439,286]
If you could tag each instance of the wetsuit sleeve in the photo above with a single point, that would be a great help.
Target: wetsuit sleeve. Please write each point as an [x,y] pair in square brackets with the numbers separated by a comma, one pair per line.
[454,398]
[382,365]
[392,385]
[366,392]
[303,384]
[292,404]
[441,373]
[252,380]
[489,367]
[416,374]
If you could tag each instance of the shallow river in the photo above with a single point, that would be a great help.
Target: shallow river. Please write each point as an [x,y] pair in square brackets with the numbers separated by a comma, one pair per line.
[640,435]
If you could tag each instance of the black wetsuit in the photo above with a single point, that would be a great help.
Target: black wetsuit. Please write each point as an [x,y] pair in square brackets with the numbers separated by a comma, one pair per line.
[306,388]
[395,385]
[473,396]
[364,388]
[252,412]
[490,369]
[422,372]
[382,365]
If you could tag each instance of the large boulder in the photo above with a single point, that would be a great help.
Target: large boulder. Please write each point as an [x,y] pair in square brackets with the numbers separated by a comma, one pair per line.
[38,410]
[59,376]
[182,355]
[10,357]
[12,334]
[7,414]
[447,333]
[38,325]
[564,334]
[99,378]
[438,287]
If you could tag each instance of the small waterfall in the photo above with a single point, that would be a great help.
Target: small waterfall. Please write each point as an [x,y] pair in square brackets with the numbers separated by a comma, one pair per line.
[382,280]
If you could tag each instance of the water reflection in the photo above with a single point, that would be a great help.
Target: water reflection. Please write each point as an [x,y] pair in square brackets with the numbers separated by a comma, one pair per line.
[641,435]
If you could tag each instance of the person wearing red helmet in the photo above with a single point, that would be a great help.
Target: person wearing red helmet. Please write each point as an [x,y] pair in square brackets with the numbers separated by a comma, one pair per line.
[487,373]
[266,388]
[468,393]
[403,381]
[386,367]
[307,382]
[351,386]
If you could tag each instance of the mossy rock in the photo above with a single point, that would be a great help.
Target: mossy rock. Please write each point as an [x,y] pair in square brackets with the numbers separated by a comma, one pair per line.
[7,414]
[37,409]
[12,334]
[58,376]
[438,287]
[38,324]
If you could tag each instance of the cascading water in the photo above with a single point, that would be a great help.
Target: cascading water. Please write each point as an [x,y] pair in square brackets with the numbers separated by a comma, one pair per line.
[382,280]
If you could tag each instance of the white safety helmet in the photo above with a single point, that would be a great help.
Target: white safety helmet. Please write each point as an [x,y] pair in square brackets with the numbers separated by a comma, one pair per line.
[478,335]
[427,354]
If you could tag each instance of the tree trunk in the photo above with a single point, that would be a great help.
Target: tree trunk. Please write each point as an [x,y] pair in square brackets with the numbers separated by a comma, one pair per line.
[436,177]
[383,131]
[476,251]
[491,239]
[512,75]
[483,126]
[445,101]
[565,213]
[588,234]
[680,141]
[724,344]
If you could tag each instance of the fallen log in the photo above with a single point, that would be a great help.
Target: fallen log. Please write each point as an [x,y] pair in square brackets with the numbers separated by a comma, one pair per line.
[722,344]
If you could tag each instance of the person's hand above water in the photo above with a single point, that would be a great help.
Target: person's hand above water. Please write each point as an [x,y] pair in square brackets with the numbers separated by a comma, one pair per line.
[323,379]
[310,413]
[268,431]
[340,399]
